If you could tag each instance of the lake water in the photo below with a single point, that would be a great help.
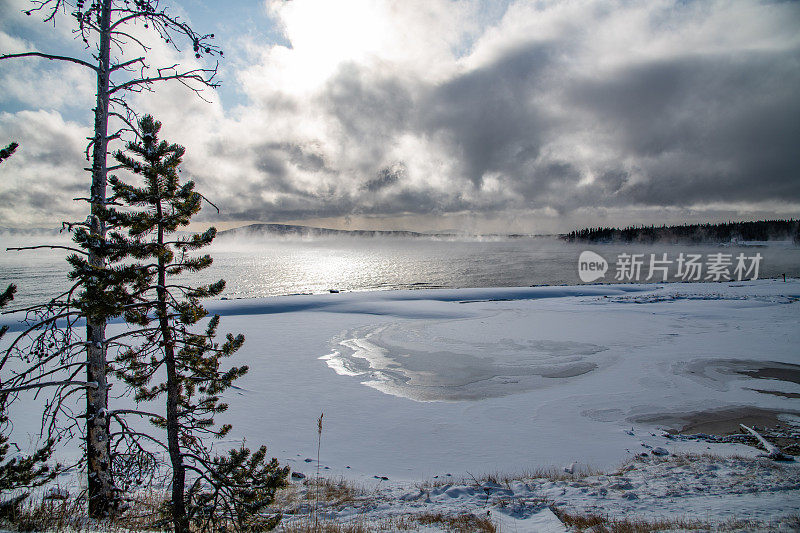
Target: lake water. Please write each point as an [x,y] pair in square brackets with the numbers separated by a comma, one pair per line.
[271,267]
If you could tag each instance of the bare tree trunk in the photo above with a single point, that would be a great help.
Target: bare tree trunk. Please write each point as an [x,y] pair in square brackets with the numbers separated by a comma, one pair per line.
[102,496]
[179,518]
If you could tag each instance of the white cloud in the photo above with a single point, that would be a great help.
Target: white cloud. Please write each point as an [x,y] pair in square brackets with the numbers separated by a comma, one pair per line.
[49,158]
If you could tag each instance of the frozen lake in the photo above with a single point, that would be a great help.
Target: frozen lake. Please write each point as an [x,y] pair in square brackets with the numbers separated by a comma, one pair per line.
[421,383]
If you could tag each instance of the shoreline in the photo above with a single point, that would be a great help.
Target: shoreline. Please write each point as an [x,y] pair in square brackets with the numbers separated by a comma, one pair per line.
[480,293]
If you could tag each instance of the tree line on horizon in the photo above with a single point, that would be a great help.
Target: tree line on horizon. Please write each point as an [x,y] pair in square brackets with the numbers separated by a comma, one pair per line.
[760,230]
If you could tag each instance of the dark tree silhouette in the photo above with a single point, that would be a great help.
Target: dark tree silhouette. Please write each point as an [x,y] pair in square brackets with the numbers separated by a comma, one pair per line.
[761,230]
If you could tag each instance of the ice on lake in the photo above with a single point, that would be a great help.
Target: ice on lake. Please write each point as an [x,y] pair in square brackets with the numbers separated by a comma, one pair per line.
[435,360]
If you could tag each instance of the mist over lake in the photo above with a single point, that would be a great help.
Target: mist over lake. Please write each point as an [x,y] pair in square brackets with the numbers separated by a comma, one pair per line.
[264,266]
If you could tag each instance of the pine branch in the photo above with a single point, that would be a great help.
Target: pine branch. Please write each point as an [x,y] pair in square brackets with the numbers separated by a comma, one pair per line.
[6,152]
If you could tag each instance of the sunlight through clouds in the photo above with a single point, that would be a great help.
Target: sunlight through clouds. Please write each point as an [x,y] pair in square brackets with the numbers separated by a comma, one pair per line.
[324,34]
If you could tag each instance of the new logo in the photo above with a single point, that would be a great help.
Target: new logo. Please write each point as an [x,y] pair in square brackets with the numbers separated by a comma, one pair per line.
[591,266]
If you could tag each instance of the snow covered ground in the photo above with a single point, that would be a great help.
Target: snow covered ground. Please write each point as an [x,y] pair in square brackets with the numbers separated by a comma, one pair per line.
[416,385]
[742,492]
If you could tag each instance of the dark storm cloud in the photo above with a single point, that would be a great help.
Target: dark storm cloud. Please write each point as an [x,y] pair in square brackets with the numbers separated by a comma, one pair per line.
[399,201]
[268,163]
[370,109]
[289,207]
[39,196]
[698,128]
[386,178]
[557,109]
[489,115]
[713,128]
[45,173]
[275,163]
[548,181]
[416,200]
[302,158]
[367,105]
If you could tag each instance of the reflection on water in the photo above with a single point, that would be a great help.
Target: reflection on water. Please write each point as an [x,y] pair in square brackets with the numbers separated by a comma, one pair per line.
[370,264]
[275,267]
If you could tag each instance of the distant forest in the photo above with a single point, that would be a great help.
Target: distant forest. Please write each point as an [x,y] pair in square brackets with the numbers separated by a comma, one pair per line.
[761,230]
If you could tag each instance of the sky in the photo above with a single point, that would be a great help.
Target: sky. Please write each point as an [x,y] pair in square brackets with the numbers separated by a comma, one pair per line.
[473,115]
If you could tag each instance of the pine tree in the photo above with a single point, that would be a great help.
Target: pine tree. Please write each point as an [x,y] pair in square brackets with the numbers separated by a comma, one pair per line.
[233,488]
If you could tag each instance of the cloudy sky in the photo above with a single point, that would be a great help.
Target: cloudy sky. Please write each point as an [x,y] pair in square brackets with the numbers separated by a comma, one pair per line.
[528,116]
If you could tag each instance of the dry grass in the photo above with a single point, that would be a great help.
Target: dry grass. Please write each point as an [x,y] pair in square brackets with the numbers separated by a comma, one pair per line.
[692,459]
[689,458]
[331,492]
[462,523]
[604,524]
[298,503]
[143,513]
[548,473]
[309,525]
[505,479]
[40,515]
[334,491]
[456,523]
